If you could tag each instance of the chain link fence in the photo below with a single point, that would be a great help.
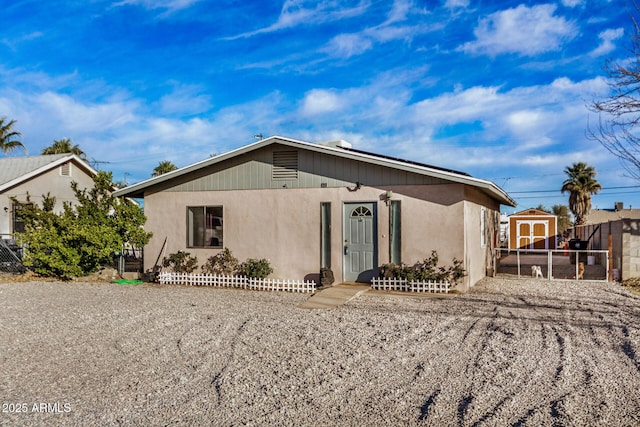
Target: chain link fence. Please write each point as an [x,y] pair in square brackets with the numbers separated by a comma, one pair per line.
[11,257]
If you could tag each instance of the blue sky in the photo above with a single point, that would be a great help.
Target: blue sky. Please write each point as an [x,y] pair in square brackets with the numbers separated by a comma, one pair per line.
[495,89]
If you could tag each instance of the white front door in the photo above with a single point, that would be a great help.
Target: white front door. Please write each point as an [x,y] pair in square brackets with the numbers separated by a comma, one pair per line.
[360,254]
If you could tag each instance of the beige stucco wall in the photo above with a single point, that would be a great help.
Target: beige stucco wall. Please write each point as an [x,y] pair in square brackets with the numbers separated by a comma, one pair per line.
[283,225]
[49,182]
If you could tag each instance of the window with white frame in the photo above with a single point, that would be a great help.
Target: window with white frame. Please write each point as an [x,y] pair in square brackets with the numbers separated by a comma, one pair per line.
[204,227]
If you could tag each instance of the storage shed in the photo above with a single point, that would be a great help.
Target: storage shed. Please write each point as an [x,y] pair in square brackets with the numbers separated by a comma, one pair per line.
[533,229]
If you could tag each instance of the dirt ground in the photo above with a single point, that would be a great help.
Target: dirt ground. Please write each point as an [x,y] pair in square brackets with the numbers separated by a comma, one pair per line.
[510,352]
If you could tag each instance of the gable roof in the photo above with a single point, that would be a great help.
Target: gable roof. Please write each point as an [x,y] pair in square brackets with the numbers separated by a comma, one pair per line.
[16,170]
[532,212]
[137,190]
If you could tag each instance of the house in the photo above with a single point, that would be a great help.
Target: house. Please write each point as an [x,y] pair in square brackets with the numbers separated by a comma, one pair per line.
[36,176]
[599,216]
[533,229]
[307,206]
[615,230]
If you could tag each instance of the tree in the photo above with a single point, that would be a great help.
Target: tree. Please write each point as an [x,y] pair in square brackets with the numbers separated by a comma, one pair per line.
[63,146]
[619,113]
[9,136]
[580,184]
[85,235]
[564,218]
[164,167]
[542,208]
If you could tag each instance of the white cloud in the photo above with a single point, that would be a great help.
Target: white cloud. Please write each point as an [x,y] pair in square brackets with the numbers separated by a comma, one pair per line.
[533,126]
[454,4]
[572,3]
[307,12]
[13,42]
[168,5]
[606,45]
[523,30]
[318,101]
[347,45]
[185,100]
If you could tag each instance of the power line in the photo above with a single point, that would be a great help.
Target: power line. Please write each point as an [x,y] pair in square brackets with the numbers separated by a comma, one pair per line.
[555,191]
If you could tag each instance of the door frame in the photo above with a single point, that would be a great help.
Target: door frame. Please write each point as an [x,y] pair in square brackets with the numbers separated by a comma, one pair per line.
[348,206]
[532,236]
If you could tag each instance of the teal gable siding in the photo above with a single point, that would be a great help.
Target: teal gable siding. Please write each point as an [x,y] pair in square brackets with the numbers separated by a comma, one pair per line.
[253,171]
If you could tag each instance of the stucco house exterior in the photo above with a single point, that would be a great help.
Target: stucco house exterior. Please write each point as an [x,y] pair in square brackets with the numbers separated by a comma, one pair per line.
[37,176]
[306,206]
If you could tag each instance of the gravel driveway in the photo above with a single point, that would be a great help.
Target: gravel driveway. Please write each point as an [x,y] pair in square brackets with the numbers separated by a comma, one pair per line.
[510,352]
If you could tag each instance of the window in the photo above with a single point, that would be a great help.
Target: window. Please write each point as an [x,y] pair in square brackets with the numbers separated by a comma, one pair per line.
[360,212]
[18,223]
[483,227]
[204,227]
[395,226]
[325,235]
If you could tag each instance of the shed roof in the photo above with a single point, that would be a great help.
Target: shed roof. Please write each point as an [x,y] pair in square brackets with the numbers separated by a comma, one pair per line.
[137,190]
[15,170]
[531,212]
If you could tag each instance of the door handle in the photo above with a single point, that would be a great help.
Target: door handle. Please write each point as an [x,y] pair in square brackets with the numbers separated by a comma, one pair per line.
[346,250]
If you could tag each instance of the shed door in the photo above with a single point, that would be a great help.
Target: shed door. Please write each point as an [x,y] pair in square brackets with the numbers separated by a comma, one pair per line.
[532,234]
[360,255]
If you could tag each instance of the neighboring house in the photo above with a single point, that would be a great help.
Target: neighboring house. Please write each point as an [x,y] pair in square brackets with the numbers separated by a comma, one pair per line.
[598,216]
[617,230]
[37,176]
[305,206]
[533,229]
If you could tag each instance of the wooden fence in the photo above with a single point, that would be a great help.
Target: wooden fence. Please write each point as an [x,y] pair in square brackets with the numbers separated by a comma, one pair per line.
[240,282]
[385,284]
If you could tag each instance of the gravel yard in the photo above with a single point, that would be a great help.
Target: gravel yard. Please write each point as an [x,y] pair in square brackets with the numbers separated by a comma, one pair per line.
[510,352]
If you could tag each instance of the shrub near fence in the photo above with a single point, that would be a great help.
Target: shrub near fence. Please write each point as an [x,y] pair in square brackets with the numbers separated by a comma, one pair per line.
[392,284]
[239,282]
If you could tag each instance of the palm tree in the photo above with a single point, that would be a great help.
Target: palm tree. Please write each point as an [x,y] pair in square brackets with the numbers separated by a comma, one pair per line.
[8,136]
[580,184]
[164,167]
[63,146]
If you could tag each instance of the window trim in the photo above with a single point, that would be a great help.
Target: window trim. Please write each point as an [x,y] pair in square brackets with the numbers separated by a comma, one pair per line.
[189,226]
[395,237]
[325,235]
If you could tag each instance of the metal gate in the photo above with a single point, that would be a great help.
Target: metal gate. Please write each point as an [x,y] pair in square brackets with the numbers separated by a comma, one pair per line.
[556,264]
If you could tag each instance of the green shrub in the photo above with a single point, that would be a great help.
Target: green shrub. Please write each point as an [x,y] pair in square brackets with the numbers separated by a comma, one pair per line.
[181,262]
[427,270]
[85,235]
[256,268]
[221,264]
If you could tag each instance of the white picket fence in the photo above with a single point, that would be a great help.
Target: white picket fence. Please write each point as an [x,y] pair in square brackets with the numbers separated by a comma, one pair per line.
[241,282]
[386,284]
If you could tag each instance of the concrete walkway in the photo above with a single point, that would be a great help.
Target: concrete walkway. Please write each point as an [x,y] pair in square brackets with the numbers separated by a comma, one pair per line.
[335,295]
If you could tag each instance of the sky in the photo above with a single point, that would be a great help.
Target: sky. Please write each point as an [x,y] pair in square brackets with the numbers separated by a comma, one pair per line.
[497,89]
